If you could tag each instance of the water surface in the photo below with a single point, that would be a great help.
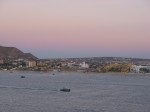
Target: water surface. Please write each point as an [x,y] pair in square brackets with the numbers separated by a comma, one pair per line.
[39,92]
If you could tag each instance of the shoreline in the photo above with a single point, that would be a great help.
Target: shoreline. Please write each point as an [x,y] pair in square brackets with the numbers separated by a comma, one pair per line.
[108,73]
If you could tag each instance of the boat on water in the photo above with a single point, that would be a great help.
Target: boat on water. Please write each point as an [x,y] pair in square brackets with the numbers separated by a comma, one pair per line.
[65,90]
[22,77]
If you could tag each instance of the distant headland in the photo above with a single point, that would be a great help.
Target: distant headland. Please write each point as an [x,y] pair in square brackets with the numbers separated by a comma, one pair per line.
[14,53]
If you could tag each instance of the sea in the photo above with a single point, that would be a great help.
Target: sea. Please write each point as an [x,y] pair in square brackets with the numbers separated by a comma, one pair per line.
[90,92]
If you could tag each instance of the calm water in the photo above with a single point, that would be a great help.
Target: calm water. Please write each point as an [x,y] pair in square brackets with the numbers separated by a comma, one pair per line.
[39,92]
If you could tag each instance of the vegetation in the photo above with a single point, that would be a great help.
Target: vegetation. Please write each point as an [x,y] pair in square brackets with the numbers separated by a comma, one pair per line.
[115,68]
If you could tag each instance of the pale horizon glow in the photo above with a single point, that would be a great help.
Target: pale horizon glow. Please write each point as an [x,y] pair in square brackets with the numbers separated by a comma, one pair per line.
[77,28]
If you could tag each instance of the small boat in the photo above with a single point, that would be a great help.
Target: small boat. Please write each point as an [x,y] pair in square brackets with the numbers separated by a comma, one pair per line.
[22,77]
[65,90]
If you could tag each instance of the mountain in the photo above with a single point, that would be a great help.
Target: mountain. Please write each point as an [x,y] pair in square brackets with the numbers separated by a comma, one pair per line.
[14,53]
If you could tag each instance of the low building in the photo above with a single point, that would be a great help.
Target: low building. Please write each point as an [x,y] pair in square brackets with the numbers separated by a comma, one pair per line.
[70,64]
[64,64]
[139,69]
[42,63]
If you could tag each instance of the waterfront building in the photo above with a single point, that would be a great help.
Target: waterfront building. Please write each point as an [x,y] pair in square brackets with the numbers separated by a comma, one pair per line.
[140,68]
[84,65]
[70,64]
[31,63]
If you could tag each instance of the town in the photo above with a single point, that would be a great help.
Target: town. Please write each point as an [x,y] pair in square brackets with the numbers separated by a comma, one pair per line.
[97,64]
[12,59]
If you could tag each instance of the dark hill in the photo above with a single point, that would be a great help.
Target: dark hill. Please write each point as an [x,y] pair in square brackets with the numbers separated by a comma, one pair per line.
[14,53]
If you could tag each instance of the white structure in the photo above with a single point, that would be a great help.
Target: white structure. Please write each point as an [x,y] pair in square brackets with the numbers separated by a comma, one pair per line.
[70,64]
[84,65]
[136,69]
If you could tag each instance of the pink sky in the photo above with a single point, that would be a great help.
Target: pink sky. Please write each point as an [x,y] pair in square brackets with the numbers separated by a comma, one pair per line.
[77,28]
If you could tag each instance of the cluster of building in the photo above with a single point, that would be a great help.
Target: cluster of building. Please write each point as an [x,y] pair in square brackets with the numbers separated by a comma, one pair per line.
[8,64]
[77,64]
[40,65]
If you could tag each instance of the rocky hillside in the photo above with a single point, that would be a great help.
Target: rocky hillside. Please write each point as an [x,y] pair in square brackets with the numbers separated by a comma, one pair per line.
[12,52]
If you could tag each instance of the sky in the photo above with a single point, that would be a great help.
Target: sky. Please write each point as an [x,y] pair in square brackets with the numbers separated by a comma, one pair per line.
[77,28]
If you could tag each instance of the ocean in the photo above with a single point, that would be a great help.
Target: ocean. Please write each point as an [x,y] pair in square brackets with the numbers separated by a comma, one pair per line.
[90,92]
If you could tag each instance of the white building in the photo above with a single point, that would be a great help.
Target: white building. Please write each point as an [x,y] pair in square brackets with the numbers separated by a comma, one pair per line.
[70,64]
[84,65]
[136,69]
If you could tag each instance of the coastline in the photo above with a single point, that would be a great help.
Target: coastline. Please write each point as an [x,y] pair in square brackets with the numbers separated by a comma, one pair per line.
[96,73]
